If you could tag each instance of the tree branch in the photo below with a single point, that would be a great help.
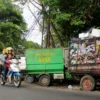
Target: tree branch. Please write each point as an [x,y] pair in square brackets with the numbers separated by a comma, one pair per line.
[52,40]
[56,32]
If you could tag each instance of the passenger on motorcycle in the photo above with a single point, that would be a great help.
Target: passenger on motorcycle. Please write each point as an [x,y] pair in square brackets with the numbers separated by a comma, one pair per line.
[10,50]
[9,57]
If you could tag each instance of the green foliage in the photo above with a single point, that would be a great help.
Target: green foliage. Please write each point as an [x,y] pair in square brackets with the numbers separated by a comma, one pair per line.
[11,24]
[72,16]
[30,44]
[21,48]
[62,16]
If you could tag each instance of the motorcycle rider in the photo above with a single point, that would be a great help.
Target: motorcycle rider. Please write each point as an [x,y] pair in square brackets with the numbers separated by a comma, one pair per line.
[10,50]
[10,54]
[3,58]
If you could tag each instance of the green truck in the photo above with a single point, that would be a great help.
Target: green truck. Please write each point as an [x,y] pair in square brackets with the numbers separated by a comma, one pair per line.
[80,61]
[46,65]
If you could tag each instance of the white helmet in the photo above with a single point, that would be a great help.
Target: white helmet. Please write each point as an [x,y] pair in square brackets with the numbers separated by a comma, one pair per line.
[9,48]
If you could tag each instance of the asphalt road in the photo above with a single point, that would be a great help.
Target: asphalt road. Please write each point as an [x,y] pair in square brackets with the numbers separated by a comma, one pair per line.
[25,92]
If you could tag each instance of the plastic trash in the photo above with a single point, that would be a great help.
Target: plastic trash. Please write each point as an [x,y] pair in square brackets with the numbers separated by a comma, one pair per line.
[70,87]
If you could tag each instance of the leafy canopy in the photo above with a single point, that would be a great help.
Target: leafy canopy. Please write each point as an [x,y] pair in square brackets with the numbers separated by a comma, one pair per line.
[11,24]
[72,16]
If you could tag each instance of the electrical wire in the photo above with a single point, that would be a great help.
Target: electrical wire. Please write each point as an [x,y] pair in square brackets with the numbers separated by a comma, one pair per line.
[35,23]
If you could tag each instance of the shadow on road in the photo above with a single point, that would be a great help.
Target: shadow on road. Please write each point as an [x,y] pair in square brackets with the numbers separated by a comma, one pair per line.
[13,86]
[65,83]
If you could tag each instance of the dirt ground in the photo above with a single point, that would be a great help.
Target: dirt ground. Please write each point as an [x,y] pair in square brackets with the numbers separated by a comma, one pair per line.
[68,85]
[60,85]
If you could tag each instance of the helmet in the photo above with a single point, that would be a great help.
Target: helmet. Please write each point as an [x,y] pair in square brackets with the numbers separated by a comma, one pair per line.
[9,48]
[5,51]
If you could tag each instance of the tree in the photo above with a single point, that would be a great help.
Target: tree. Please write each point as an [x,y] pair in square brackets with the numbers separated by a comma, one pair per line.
[20,49]
[68,18]
[30,44]
[12,24]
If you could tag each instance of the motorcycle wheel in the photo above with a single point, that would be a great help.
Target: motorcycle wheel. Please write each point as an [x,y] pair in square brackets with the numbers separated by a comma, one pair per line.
[17,81]
[2,81]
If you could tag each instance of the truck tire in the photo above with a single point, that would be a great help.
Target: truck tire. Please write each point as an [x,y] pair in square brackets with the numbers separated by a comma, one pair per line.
[29,79]
[87,83]
[44,80]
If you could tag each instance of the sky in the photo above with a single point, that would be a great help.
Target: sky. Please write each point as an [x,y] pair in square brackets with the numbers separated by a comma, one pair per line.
[35,35]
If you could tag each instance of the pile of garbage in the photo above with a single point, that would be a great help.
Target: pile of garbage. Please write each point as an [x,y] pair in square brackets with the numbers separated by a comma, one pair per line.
[90,34]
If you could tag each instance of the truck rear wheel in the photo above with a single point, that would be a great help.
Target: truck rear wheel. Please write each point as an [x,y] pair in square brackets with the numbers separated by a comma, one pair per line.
[44,80]
[87,83]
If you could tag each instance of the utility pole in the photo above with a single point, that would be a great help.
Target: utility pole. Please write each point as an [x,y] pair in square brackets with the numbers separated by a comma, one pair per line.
[42,26]
[48,31]
[42,32]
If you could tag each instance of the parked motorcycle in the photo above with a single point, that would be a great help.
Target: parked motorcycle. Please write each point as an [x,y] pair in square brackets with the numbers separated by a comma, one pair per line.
[13,75]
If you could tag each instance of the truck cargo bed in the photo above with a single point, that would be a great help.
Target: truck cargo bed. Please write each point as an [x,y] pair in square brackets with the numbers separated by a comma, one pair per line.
[85,56]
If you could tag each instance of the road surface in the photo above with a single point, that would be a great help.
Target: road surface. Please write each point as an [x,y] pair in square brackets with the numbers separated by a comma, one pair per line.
[25,92]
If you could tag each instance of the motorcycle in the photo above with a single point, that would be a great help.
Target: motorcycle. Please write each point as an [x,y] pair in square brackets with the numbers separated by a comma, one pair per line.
[13,75]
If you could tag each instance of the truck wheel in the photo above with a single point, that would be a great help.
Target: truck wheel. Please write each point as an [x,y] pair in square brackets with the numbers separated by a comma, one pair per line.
[87,83]
[44,80]
[29,79]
